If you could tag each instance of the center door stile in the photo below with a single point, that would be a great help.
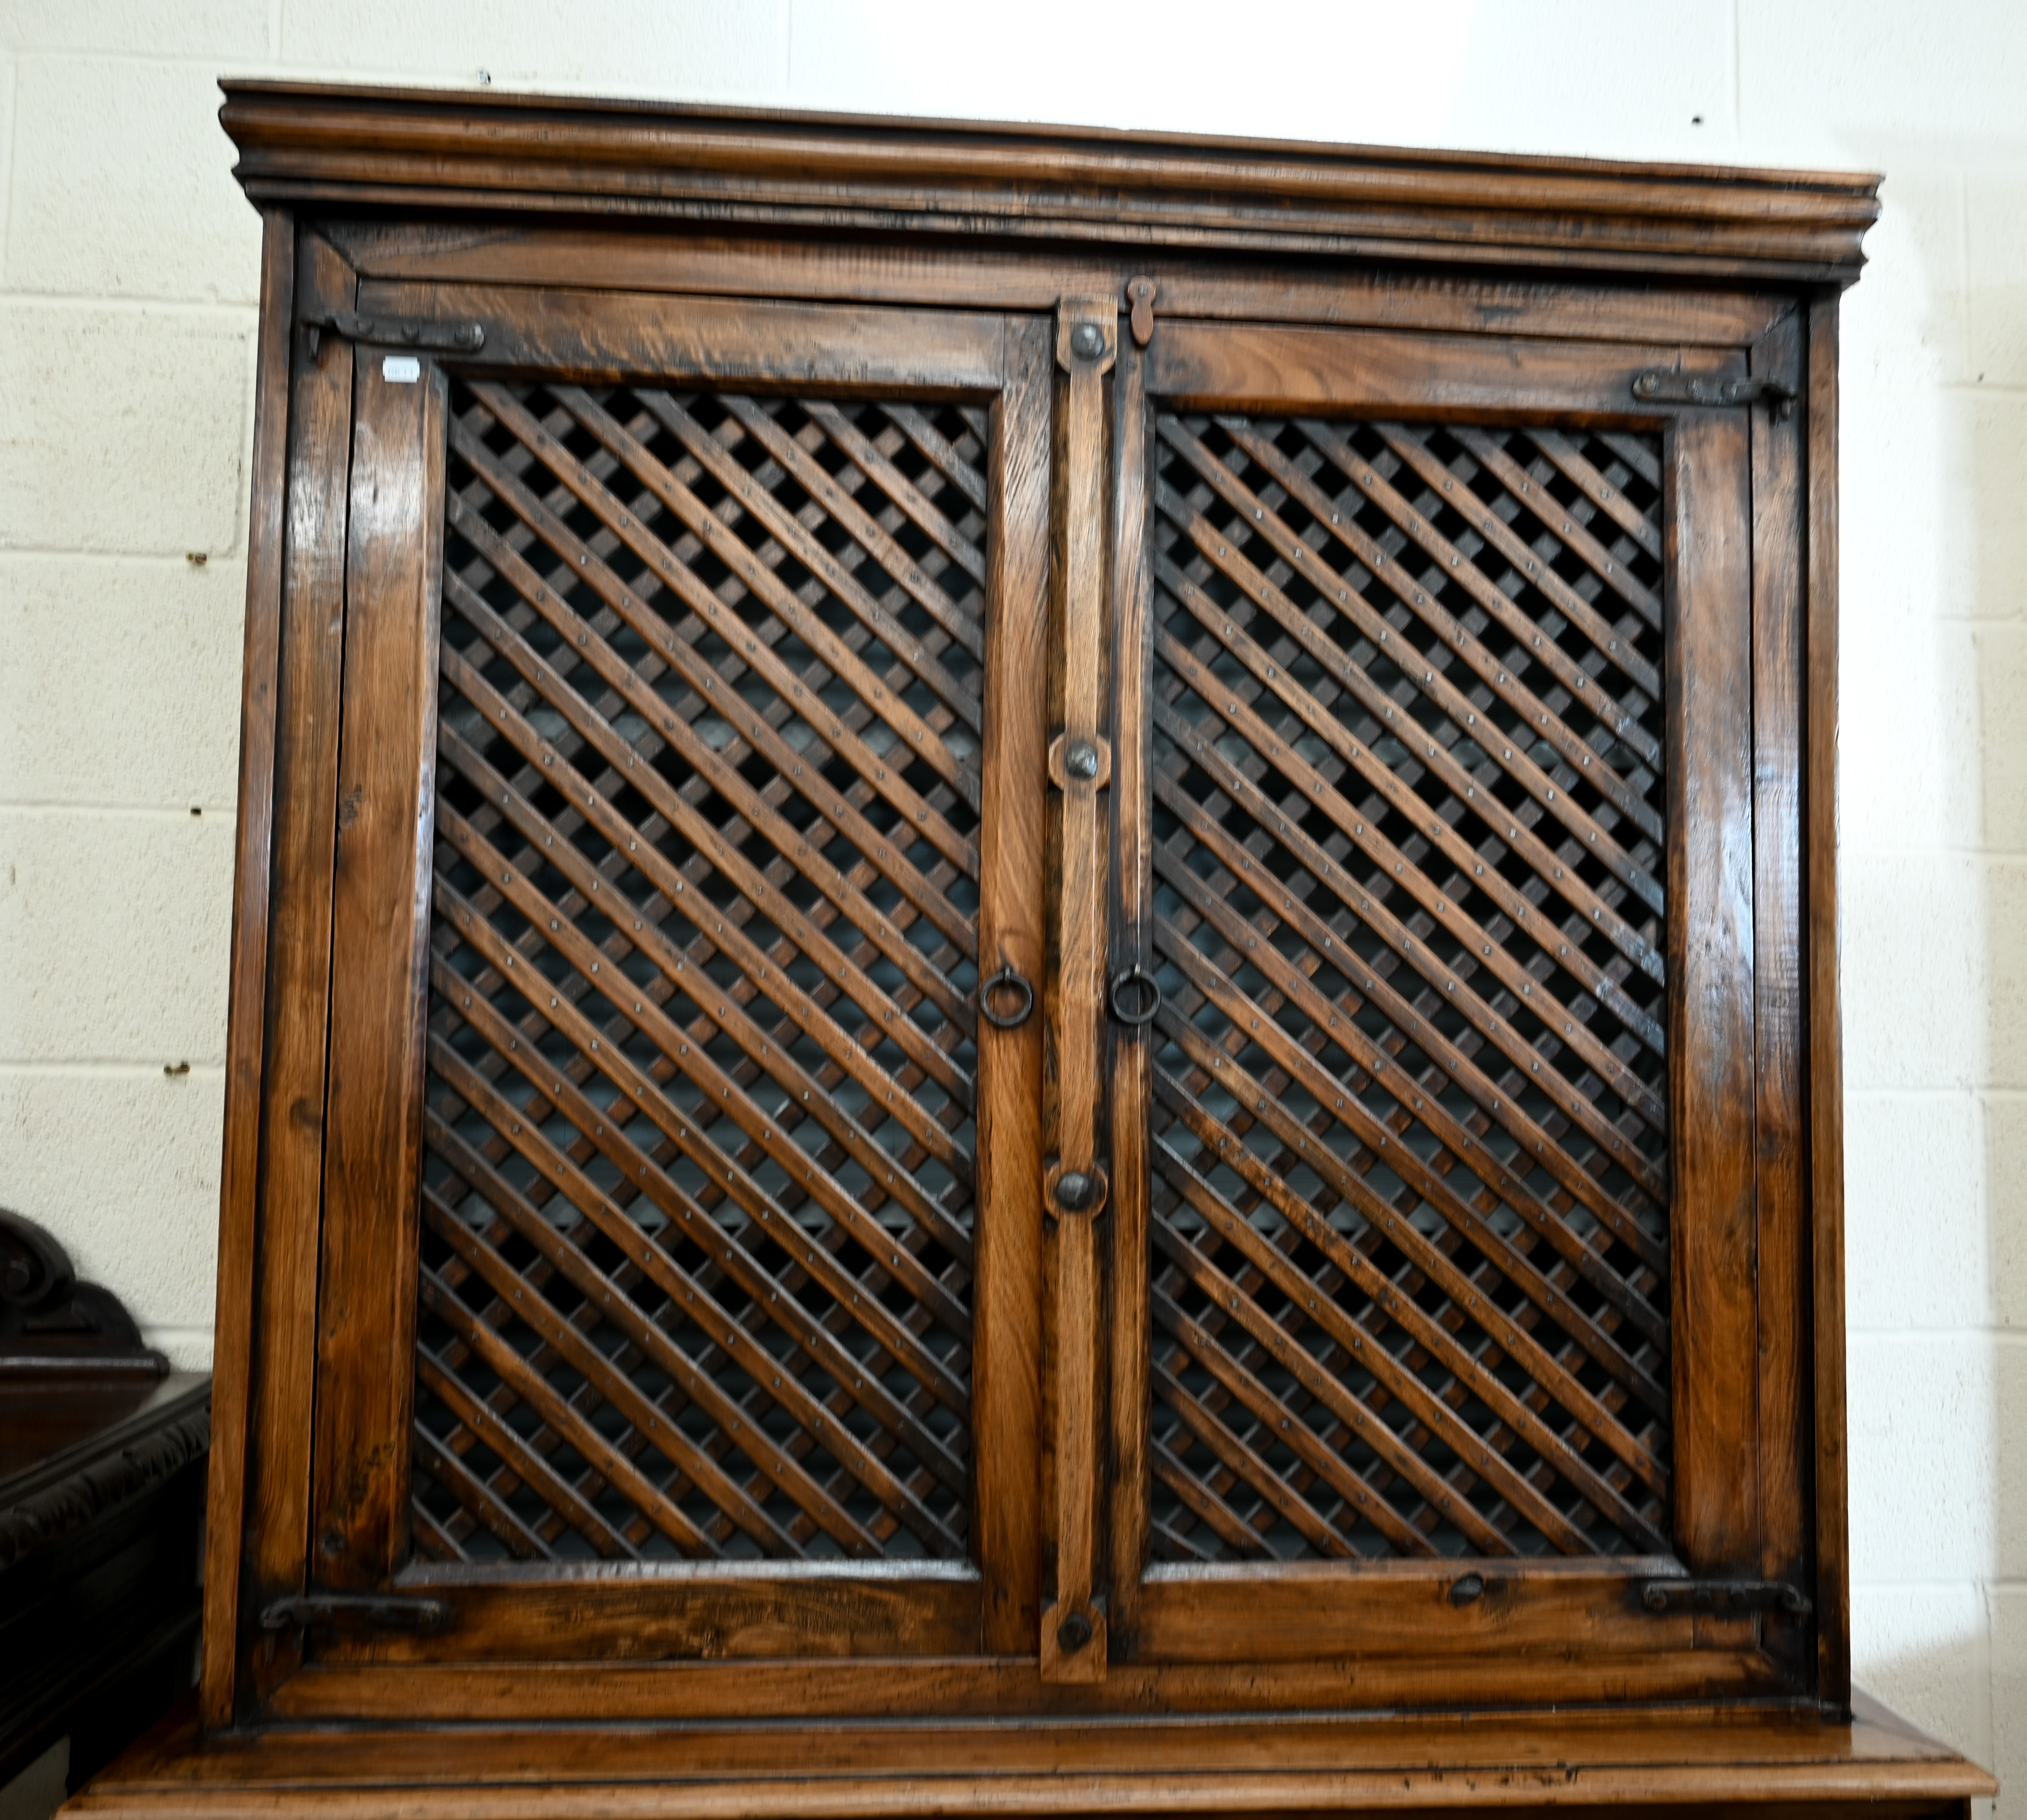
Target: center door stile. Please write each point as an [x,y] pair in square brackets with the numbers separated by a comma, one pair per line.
[1132,994]
[1076,1184]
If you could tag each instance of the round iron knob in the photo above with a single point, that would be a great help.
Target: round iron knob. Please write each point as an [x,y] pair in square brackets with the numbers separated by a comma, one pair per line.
[1074,1191]
[1081,759]
[1086,341]
[1073,1633]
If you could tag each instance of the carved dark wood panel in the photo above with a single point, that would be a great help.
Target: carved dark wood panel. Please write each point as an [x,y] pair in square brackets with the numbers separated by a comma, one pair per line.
[1410,1239]
[697,1221]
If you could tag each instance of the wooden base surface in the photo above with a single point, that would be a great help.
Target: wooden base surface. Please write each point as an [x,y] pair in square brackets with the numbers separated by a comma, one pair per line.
[1678,1761]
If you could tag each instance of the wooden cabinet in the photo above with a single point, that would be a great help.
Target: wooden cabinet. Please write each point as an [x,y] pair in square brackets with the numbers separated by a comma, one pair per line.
[1034,927]
[101,1518]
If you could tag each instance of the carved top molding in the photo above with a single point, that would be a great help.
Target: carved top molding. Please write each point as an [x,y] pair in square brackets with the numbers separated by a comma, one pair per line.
[501,154]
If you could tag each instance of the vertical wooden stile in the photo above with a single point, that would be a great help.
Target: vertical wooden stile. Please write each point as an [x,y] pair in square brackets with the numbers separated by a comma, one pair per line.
[1013,931]
[372,1159]
[1073,1632]
[291,1108]
[1825,1030]
[1126,1251]
[1781,998]
[1711,960]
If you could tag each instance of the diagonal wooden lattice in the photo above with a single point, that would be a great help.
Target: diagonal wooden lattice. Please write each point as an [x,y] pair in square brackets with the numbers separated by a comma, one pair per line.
[698,1202]
[1409,1232]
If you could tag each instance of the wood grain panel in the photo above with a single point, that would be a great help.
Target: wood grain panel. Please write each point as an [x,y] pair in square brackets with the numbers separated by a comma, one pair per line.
[677,1616]
[1013,932]
[1826,1031]
[285,1260]
[1258,368]
[246,1022]
[591,334]
[380,899]
[985,278]
[1266,1693]
[1073,1639]
[1780,973]
[1132,946]
[1711,958]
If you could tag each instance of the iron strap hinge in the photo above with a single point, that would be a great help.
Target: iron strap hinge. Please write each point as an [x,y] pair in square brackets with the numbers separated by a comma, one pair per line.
[1724,1598]
[356,1611]
[1667,385]
[434,337]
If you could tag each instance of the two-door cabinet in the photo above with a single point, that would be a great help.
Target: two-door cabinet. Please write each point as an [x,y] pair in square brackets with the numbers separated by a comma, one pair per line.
[1034,980]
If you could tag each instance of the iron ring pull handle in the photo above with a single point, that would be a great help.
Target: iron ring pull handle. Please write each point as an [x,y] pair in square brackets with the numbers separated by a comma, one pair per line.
[1006,977]
[1135,981]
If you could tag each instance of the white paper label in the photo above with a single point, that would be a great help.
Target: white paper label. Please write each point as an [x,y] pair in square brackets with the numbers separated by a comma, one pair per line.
[400,369]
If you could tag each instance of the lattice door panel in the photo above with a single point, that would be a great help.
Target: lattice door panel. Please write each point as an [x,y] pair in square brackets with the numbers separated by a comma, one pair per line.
[1409,1198]
[697,1219]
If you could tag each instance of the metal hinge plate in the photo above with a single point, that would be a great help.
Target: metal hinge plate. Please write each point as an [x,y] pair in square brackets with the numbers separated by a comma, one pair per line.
[1724,1598]
[356,1611]
[1666,385]
[430,336]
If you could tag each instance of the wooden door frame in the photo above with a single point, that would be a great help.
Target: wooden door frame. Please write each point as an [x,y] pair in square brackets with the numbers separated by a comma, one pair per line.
[1730,1333]
[355,1475]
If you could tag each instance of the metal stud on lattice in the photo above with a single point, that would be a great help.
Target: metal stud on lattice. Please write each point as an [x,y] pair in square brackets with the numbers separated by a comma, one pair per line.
[1409,1234]
[697,1206]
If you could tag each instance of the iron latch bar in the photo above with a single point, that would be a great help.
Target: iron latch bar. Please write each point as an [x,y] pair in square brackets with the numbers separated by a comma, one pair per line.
[1668,385]
[421,332]
[356,1611]
[1724,1598]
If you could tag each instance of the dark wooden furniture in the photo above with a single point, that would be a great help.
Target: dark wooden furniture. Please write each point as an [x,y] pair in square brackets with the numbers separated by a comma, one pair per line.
[101,1512]
[1035,952]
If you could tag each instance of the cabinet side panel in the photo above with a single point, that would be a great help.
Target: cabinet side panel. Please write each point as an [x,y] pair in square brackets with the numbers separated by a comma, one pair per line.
[247,1022]
[292,1111]
[1826,1031]
[1778,974]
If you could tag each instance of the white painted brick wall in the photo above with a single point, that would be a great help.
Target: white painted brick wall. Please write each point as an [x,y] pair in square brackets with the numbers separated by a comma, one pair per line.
[127,272]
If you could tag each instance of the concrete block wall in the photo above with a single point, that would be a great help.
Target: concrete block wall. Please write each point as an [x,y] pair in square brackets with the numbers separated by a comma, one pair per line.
[127,276]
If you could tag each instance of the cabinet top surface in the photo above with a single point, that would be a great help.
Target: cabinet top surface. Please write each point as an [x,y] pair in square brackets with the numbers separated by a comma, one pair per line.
[495,154]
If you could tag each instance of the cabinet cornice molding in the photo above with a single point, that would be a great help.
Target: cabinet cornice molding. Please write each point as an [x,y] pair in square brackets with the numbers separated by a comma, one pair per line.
[554,156]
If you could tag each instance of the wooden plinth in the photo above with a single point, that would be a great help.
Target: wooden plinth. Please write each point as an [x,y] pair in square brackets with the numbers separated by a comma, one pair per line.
[1672,1761]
